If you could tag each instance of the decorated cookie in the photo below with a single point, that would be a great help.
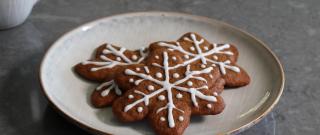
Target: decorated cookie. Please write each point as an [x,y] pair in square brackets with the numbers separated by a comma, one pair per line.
[197,49]
[167,91]
[109,60]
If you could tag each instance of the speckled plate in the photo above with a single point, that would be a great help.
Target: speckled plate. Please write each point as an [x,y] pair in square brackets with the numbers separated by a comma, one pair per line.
[245,106]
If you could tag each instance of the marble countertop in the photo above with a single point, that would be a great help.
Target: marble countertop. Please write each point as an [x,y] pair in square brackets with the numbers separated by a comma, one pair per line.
[291,28]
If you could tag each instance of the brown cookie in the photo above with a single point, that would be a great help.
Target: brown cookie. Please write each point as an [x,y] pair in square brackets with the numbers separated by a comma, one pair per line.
[105,94]
[109,60]
[195,48]
[167,91]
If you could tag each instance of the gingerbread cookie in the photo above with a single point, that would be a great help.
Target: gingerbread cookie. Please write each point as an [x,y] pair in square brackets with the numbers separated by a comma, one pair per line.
[108,60]
[196,48]
[167,91]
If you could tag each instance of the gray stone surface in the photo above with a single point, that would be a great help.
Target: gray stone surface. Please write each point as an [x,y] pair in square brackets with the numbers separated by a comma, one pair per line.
[290,27]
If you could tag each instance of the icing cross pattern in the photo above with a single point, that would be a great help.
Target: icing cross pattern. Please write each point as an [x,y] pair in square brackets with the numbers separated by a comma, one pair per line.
[203,56]
[121,59]
[168,86]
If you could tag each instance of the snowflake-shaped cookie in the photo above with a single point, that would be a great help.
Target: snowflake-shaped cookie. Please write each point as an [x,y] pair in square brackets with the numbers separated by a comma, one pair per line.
[168,92]
[197,49]
[109,60]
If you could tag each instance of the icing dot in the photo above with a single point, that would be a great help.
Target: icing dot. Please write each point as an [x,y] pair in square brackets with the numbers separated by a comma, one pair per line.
[192,48]
[150,87]
[215,93]
[157,57]
[131,80]
[181,118]
[134,57]
[176,75]
[171,49]
[162,119]
[186,56]
[179,95]
[140,109]
[189,83]
[161,97]
[206,48]
[209,105]
[130,96]
[118,59]
[138,69]
[215,57]
[210,76]
[159,75]
[105,51]
[203,66]
[174,58]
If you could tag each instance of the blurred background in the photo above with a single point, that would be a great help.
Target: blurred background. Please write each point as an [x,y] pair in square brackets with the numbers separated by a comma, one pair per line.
[290,27]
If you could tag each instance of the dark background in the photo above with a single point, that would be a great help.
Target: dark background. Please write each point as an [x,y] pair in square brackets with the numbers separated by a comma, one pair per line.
[291,28]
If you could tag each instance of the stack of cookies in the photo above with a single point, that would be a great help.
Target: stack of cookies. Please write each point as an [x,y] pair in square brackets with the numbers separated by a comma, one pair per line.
[166,83]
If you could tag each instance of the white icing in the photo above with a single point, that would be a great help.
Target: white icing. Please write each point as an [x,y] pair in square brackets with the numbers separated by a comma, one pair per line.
[168,86]
[176,75]
[211,76]
[187,39]
[137,82]
[138,69]
[215,57]
[181,118]
[206,48]
[110,85]
[157,57]
[189,83]
[131,80]
[162,119]
[146,69]
[215,93]
[130,96]
[161,97]
[203,66]
[209,106]
[179,95]
[203,55]
[109,63]
[159,75]
[118,59]
[192,48]
[225,64]
[117,90]
[140,109]
[150,87]
[174,58]
[134,57]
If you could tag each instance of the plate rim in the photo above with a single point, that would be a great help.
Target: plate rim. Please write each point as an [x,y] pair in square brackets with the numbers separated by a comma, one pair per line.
[206,19]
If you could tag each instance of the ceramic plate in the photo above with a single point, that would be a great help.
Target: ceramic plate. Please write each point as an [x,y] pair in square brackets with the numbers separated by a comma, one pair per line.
[70,95]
